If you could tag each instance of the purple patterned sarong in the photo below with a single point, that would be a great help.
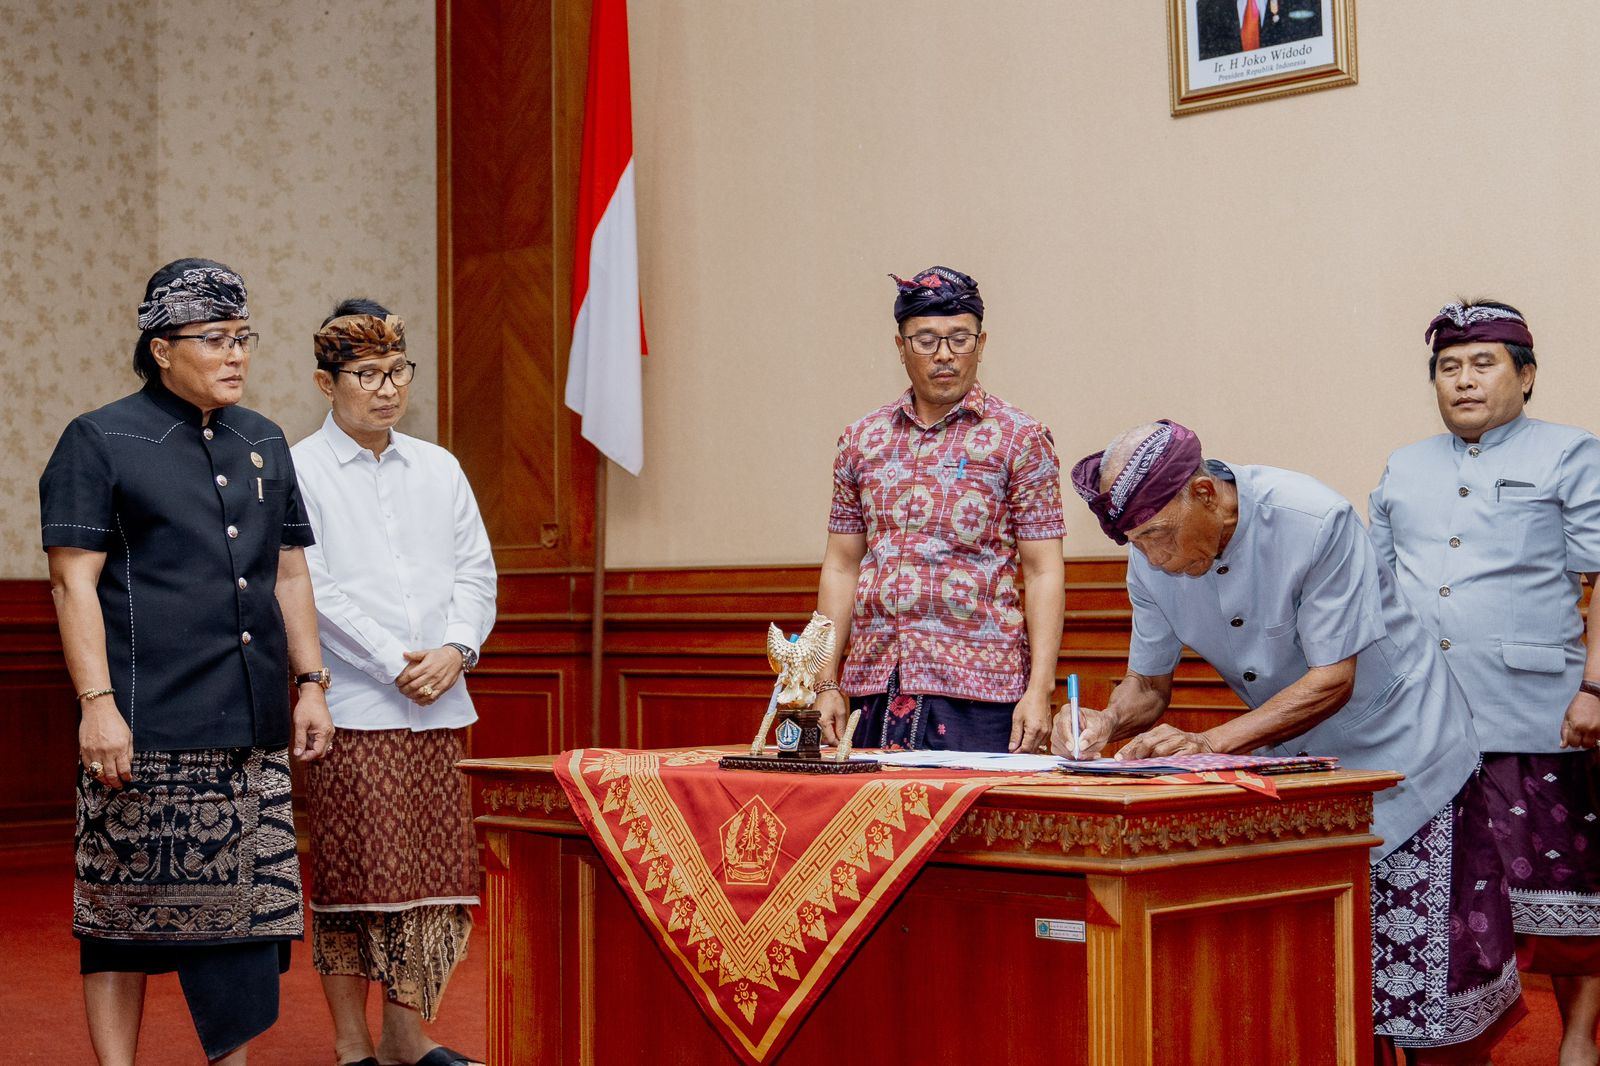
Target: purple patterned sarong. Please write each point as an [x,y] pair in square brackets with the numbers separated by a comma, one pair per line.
[1548,826]
[900,722]
[1444,967]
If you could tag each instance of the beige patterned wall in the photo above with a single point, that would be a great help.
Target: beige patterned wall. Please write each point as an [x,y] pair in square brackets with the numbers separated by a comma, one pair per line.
[293,140]
[77,236]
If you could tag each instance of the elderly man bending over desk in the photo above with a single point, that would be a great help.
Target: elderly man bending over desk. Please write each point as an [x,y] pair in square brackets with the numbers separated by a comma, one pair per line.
[1270,577]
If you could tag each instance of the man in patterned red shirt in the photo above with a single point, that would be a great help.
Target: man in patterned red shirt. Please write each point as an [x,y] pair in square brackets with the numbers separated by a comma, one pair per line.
[938,498]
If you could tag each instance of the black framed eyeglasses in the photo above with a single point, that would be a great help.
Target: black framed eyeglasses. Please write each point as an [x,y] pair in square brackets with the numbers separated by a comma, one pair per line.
[219,341]
[372,379]
[929,343]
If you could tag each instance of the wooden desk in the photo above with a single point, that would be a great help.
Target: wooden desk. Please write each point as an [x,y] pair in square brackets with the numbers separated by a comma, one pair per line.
[1221,927]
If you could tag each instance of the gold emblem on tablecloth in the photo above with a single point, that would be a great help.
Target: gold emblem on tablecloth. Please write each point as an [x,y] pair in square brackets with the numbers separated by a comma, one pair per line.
[256,459]
[750,842]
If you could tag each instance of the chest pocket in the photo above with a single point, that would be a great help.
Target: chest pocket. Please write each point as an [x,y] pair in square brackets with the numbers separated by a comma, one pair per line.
[988,476]
[1512,489]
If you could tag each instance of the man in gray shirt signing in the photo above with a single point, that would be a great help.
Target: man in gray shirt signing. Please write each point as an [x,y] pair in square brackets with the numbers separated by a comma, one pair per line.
[1491,527]
[1270,577]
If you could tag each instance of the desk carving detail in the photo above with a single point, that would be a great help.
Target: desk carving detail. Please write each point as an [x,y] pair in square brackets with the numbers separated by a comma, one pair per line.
[1002,829]
[502,798]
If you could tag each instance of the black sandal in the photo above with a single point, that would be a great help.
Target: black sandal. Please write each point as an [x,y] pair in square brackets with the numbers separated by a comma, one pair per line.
[443,1056]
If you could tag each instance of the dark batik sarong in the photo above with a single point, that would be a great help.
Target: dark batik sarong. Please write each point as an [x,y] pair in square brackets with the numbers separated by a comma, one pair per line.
[1444,967]
[1548,827]
[900,722]
[192,868]
[198,849]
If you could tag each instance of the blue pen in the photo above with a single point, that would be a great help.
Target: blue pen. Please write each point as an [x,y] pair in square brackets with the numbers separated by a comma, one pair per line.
[1072,704]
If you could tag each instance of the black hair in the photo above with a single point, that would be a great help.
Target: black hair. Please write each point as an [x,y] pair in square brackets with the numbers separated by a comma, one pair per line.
[1521,355]
[144,362]
[357,305]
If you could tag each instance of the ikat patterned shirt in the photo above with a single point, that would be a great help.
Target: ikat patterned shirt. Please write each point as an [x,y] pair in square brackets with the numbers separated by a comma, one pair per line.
[943,507]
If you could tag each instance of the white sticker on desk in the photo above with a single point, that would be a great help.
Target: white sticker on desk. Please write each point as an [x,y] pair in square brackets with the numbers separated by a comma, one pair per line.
[1072,932]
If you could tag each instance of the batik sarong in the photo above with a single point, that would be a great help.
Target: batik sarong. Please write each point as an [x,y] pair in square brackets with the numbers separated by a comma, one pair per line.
[394,861]
[1444,968]
[897,721]
[199,848]
[1547,822]
[191,868]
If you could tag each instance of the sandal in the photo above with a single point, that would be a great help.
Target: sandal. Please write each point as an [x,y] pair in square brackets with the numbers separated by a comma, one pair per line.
[443,1056]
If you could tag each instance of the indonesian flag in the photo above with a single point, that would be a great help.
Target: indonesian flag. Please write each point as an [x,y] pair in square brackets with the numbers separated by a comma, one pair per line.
[605,369]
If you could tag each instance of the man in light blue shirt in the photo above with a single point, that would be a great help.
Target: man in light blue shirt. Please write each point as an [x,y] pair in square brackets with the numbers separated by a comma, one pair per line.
[1268,575]
[1491,528]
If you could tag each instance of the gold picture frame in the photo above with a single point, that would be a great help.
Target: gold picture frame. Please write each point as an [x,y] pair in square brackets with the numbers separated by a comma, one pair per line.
[1217,58]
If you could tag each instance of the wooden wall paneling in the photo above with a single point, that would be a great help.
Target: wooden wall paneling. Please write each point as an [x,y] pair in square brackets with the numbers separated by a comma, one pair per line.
[510,118]
[38,721]
[702,704]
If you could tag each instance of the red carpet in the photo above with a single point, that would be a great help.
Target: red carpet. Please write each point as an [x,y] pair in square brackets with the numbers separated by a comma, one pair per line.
[41,1004]
[41,1000]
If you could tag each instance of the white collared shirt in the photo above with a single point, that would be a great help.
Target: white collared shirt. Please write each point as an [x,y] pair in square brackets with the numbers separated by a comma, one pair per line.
[401,563]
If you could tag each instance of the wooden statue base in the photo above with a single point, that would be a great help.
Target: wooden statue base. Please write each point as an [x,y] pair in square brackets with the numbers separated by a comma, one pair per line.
[779,765]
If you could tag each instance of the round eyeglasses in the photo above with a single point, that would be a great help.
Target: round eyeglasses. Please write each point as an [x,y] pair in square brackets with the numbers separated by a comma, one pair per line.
[372,379]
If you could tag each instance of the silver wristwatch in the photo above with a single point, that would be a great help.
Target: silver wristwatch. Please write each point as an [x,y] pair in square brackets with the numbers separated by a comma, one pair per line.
[469,658]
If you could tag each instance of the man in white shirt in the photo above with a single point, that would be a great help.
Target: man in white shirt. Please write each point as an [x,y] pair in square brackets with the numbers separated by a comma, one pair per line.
[405,590]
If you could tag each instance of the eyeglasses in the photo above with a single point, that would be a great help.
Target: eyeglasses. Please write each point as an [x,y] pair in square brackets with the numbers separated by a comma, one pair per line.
[928,343]
[218,341]
[372,378]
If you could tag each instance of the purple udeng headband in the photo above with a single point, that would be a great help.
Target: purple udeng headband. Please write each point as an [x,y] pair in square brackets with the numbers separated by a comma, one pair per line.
[1160,466]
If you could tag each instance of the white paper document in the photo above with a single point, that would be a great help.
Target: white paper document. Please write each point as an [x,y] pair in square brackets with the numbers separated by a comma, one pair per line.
[998,761]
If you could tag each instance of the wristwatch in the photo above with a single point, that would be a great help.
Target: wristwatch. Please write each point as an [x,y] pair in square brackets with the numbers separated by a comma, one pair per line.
[323,677]
[1591,687]
[469,658]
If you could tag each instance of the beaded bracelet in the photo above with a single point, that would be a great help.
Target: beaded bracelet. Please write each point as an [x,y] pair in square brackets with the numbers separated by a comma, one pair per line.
[96,693]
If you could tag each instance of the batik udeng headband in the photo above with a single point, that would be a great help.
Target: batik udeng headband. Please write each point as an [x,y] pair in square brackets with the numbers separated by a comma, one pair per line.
[360,337]
[203,294]
[1159,467]
[1459,324]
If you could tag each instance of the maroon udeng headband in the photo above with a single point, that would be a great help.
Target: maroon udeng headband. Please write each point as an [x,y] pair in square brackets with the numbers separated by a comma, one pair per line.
[1459,324]
[1160,466]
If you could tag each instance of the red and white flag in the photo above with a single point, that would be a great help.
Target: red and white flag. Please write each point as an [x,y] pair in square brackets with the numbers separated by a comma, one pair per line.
[605,369]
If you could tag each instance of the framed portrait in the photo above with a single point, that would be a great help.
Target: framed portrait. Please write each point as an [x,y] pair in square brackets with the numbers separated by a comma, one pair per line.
[1226,52]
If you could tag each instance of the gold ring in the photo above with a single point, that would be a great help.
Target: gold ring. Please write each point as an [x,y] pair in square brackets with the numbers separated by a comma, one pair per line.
[97,768]
[427,690]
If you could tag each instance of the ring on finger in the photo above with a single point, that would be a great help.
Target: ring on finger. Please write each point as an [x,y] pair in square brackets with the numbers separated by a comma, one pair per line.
[97,768]
[427,690]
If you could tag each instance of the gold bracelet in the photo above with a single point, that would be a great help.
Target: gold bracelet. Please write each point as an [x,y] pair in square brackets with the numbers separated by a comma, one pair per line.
[95,693]
[826,686]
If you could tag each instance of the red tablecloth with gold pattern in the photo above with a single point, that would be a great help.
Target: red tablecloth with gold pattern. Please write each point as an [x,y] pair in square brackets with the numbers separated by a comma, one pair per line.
[759,886]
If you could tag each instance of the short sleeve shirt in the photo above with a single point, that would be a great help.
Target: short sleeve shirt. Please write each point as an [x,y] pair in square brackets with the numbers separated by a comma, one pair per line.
[943,507]
[191,519]
[1300,585]
[1490,542]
